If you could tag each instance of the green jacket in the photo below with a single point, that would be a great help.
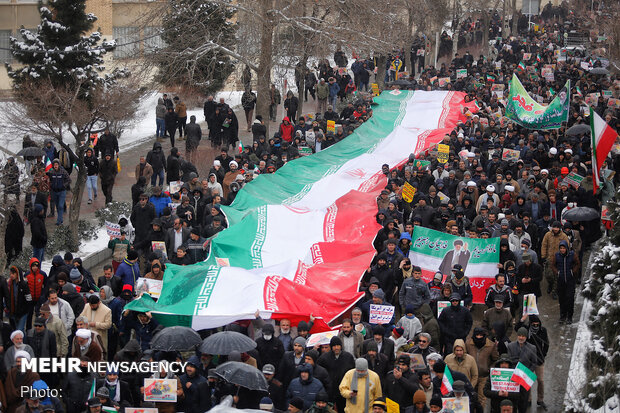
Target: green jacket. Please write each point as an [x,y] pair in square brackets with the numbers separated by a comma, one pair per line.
[322,90]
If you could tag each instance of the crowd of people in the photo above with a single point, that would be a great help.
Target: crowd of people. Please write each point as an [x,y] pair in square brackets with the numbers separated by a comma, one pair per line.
[66,312]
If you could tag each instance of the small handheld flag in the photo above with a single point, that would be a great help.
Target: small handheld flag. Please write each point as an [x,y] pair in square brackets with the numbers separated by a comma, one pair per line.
[524,376]
[603,138]
[446,382]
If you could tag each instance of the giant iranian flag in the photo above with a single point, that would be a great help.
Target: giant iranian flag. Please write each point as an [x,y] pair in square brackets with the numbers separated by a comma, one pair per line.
[436,251]
[300,240]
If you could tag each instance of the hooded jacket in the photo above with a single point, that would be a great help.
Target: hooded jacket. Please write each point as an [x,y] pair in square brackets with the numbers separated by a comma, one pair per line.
[565,264]
[484,356]
[36,280]
[286,131]
[37,228]
[304,389]
[156,158]
[466,364]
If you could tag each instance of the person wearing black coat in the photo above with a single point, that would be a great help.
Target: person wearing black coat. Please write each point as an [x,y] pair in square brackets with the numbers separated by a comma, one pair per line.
[39,232]
[401,383]
[337,362]
[495,396]
[142,214]
[385,346]
[269,347]
[171,121]
[76,389]
[18,309]
[157,160]
[138,189]
[107,143]
[173,166]
[14,235]
[195,388]
[107,171]
[439,368]
[455,322]
[538,337]
[75,299]
[377,362]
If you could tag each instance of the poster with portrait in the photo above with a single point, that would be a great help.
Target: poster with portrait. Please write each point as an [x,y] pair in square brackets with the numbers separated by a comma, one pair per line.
[437,251]
[160,390]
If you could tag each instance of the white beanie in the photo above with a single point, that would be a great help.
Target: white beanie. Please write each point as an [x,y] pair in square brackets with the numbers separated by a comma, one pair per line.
[83,333]
[216,163]
[21,354]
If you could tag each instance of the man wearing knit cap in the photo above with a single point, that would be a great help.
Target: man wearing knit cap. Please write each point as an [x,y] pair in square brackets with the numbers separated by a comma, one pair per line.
[291,360]
[337,363]
[296,405]
[306,386]
[401,382]
[360,387]
[377,362]
[318,371]
[269,347]
[384,346]
[419,402]
[266,404]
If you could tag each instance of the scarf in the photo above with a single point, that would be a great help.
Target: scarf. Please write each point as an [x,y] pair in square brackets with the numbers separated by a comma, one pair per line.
[114,389]
[356,377]
[406,274]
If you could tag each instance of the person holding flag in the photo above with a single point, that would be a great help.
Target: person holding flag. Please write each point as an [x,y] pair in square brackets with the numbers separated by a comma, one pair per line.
[523,354]
[450,383]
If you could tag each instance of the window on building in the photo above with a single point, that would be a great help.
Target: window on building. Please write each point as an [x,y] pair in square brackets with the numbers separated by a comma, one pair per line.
[152,39]
[128,42]
[5,54]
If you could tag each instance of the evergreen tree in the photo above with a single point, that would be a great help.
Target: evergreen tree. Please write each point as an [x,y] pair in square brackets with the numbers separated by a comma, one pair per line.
[188,26]
[60,50]
[603,289]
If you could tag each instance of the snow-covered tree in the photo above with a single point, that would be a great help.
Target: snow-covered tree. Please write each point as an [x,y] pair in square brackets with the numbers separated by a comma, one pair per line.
[61,92]
[603,289]
[60,49]
[178,64]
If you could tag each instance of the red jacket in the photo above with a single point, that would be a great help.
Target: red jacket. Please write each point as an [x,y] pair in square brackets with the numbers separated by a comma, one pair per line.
[286,131]
[36,280]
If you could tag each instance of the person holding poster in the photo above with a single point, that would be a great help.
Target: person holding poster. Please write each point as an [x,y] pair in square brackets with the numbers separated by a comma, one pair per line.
[500,397]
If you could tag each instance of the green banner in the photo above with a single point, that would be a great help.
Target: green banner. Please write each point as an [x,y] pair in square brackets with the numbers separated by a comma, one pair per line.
[525,111]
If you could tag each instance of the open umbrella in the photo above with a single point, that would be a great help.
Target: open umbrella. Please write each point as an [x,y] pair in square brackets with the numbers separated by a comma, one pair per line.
[576,130]
[225,342]
[599,71]
[176,339]
[31,151]
[400,82]
[242,375]
[581,214]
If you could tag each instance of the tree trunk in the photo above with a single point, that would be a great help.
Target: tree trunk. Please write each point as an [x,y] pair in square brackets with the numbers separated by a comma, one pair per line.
[515,18]
[302,85]
[76,200]
[381,60]
[4,221]
[485,34]
[263,74]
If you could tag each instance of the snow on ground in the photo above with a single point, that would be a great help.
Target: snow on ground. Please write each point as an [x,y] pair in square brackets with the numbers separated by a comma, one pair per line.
[143,127]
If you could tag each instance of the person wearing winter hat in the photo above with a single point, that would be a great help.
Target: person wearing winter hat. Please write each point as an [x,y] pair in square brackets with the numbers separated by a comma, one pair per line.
[296,405]
[291,360]
[360,387]
[337,363]
[419,402]
[410,323]
[266,404]
[306,386]
[456,323]
[397,337]
[401,382]
[436,404]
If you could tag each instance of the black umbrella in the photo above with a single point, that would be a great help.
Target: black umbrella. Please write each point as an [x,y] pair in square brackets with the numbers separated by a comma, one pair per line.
[31,151]
[242,375]
[176,339]
[576,130]
[400,82]
[581,214]
[225,342]
[599,71]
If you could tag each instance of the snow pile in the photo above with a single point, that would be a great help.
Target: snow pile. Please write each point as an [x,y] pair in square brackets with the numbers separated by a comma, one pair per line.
[598,347]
